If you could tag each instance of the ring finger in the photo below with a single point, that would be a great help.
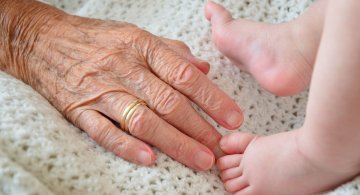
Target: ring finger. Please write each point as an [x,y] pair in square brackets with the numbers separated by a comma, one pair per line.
[147,126]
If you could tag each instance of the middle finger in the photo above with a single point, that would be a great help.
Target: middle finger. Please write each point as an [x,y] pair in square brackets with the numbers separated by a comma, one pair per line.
[183,76]
[174,108]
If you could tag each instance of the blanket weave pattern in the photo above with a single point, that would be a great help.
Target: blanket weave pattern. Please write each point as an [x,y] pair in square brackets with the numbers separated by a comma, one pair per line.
[42,153]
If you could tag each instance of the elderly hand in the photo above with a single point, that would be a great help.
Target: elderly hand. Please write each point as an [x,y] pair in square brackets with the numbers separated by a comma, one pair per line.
[91,70]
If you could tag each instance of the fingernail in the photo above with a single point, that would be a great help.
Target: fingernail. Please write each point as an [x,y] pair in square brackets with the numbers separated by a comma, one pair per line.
[223,142]
[204,62]
[144,158]
[218,152]
[234,119]
[203,160]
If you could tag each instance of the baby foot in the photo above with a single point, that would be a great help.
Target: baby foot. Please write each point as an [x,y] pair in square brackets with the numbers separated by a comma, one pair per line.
[273,53]
[273,165]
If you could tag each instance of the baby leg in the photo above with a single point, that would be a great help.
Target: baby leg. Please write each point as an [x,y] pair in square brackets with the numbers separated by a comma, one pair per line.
[323,153]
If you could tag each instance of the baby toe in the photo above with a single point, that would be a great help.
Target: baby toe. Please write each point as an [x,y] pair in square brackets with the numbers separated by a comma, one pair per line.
[231,173]
[229,161]
[236,142]
[236,184]
[245,191]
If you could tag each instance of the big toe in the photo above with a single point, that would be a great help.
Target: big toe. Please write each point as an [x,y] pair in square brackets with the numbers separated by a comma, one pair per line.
[236,143]
[216,13]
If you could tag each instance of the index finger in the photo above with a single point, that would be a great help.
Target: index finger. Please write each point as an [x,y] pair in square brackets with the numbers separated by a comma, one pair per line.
[187,79]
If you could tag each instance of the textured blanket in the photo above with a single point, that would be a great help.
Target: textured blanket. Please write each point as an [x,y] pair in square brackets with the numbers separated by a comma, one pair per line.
[42,153]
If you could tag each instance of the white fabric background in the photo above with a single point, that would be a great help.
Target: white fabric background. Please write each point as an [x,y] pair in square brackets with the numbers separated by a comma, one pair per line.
[42,153]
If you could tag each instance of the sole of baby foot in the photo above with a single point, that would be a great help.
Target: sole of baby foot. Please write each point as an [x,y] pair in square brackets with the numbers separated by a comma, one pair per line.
[275,165]
[269,52]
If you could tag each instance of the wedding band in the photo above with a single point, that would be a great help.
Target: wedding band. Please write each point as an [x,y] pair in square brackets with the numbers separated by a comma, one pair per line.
[128,112]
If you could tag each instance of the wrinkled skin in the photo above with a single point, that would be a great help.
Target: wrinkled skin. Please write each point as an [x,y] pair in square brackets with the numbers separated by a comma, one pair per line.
[91,70]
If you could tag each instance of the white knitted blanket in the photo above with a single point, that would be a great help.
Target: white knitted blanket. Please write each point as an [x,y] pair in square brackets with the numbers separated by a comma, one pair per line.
[42,153]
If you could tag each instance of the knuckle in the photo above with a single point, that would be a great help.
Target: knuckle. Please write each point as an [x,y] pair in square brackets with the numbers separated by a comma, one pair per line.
[76,116]
[109,62]
[144,84]
[113,100]
[167,101]
[117,143]
[183,74]
[150,47]
[117,61]
[102,133]
[142,34]
[209,99]
[139,124]
[113,142]
[126,68]
[180,149]
[108,98]
[213,105]
[181,45]
[136,36]
[207,136]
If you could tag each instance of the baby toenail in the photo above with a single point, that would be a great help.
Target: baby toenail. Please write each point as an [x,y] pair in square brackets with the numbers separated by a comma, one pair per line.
[223,142]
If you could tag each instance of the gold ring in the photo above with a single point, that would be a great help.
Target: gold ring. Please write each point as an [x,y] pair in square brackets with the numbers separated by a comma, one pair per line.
[128,112]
